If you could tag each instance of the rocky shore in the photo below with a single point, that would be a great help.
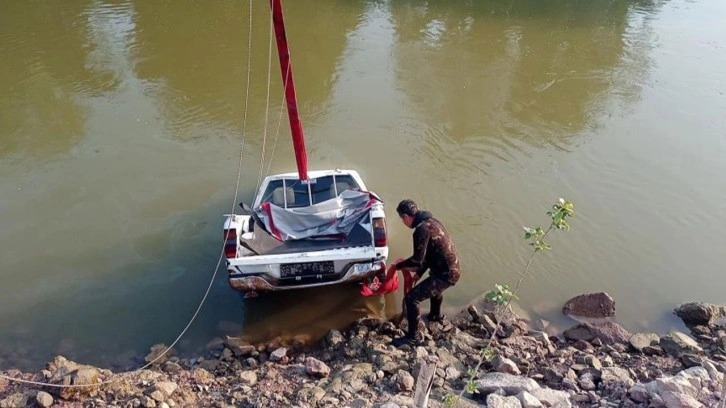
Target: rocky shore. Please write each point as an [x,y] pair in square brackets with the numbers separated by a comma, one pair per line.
[588,365]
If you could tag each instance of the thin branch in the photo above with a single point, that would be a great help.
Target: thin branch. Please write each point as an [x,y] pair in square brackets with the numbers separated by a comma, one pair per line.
[499,316]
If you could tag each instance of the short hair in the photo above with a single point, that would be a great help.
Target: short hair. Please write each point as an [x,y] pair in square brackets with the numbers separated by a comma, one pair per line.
[407,207]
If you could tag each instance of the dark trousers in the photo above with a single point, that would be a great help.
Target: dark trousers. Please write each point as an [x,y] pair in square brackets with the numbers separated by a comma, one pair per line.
[431,288]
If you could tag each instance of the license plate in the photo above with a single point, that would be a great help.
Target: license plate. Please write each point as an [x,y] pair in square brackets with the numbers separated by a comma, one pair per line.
[361,268]
[307,269]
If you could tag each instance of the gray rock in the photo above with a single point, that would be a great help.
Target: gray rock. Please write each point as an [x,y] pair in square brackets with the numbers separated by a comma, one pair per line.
[316,368]
[158,354]
[699,313]
[402,400]
[612,375]
[553,398]
[713,371]
[587,382]
[488,323]
[580,398]
[607,332]
[167,387]
[638,393]
[156,396]
[639,341]
[570,384]
[148,402]
[252,362]
[17,400]
[357,385]
[593,362]
[226,355]
[209,365]
[448,359]
[675,384]
[248,377]
[239,347]
[653,351]
[420,353]
[696,373]
[391,367]
[171,367]
[675,400]
[44,399]
[358,403]
[451,373]
[278,355]
[656,401]
[405,381]
[334,338]
[677,343]
[474,313]
[511,384]
[311,395]
[497,401]
[593,305]
[161,391]
[691,360]
[505,365]
[528,400]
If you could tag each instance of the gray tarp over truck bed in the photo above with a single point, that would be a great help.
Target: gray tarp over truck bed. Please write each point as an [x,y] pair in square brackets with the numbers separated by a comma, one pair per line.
[263,243]
[340,222]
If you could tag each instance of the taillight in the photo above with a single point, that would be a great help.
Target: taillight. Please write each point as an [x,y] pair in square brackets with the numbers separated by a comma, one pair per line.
[230,243]
[379,232]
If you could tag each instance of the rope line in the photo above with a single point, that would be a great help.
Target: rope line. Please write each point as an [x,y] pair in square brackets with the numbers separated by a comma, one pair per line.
[279,121]
[121,376]
[267,102]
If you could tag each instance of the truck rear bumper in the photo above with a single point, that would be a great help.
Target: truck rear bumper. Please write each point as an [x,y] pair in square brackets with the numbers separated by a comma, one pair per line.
[265,283]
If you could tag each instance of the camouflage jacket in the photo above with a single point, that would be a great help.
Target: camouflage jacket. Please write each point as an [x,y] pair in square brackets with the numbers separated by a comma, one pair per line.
[433,249]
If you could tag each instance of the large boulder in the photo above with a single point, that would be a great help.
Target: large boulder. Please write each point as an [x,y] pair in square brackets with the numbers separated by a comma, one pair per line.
[677,344]
[606,332]
[699,313]
[66,372]
[510,384]
[592,305]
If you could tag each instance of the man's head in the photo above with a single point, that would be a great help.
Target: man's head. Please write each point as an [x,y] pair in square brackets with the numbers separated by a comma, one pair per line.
[407,210]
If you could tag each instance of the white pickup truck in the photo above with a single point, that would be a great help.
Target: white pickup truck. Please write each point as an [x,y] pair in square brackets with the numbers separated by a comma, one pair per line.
[326,230]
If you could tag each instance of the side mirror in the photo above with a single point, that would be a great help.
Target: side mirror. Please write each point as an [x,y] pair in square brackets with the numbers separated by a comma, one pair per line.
[246,208]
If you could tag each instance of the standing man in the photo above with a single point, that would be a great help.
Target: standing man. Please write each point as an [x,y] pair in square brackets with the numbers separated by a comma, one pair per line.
[434,250]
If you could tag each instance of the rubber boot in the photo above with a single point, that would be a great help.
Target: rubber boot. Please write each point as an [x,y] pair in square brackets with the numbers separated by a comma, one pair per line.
[435,312]
[410,337]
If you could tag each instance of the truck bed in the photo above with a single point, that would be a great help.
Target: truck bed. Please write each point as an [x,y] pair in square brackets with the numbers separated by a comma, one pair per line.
[263,243]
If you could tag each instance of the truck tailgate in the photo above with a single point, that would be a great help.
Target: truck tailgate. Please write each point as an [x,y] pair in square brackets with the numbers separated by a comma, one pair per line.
[338,254]
[263,243]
